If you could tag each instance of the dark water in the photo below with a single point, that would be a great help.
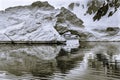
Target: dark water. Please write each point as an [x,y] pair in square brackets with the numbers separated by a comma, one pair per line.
[92,61]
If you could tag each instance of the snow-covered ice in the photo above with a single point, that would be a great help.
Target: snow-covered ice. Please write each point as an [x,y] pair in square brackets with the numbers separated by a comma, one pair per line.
[37,24]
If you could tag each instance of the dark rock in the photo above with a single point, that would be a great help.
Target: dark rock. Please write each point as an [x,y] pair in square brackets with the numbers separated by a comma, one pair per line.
[100,8]
[101,12]
[61,19]
[38,4]
[69,16]
[93,6]
[61,28]
[110,13]
[74,32]
[112,30]
[42,4]
[77,4]
[83,36]
[71,6]
[65,20]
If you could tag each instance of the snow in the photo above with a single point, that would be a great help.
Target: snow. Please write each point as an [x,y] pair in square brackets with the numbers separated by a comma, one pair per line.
[71,44]
[103,23]
[79,11]
[116,57]
[44,33]
[88,22]
[23,24]
[18,24]
[3,37]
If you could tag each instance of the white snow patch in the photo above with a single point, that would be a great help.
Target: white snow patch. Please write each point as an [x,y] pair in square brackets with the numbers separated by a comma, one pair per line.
[71,44]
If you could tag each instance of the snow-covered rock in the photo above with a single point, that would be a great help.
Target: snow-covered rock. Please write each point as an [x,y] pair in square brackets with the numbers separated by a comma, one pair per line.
[29,23]
[98,15]
[36,22]
[42,22]
[69,22]
[87,11]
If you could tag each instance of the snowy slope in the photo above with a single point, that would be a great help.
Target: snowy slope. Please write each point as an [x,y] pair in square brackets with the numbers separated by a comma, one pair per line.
[80,8]
[29,23]
[16,23]
[36,22]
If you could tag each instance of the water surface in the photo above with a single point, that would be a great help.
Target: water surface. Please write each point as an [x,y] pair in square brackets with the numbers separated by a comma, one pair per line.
[92,61]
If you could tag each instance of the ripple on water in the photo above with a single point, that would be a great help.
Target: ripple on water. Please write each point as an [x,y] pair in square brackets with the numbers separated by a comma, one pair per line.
[92,61]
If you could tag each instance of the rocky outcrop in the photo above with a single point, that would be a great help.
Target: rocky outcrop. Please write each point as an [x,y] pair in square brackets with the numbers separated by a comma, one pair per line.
[41,22]
[67,15]
[38,22]
[93,6]
[42,4]
[28,23]
[72,5]
[67,21]
[101,7]
[97,16]
[112,30]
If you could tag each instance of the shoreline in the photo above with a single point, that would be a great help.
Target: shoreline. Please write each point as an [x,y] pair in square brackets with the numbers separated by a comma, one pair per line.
[32,42]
